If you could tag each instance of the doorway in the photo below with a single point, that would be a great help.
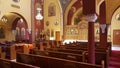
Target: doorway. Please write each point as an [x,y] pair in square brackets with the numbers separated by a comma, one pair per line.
[57,36]
[116,37]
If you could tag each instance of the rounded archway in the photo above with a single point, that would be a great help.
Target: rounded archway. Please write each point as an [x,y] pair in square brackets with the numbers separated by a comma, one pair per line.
[15,26]
[115,27]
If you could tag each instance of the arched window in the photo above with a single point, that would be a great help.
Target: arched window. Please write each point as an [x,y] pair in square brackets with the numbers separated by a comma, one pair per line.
[17,32]
[23,32]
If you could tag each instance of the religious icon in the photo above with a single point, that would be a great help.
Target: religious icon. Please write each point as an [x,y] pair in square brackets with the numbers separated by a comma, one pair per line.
[52,10]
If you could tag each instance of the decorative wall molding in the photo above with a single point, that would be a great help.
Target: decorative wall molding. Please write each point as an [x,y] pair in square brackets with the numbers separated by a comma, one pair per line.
[15,6]
[118,17]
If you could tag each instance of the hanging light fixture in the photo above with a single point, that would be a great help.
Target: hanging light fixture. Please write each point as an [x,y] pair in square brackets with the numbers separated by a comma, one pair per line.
[4,20]
[39,15]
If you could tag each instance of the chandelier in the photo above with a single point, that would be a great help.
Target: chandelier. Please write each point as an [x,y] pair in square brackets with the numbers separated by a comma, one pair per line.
[4,20]
[39,15]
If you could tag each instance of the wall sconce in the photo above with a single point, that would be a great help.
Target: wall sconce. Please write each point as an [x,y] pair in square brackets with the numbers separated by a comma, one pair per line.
[91,17]
[103,26]
[39,15]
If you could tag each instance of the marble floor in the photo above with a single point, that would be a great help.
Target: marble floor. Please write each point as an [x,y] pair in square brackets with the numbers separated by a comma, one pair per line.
[116,47]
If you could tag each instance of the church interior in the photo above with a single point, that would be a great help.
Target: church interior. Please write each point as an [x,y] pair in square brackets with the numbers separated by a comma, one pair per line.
[59,33]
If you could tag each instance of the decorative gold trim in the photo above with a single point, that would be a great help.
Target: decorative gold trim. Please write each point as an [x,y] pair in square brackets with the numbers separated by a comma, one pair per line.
[117,17]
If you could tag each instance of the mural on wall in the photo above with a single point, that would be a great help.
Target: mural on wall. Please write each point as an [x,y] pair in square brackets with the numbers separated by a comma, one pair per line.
[72,31]
[71,13]
[83,30]
[78,17]
[83,24]
[74,7]
[64,3]
[51,10]
[2,33]
[97,31]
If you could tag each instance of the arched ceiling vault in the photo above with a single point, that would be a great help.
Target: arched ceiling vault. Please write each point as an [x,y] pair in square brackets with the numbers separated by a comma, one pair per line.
[111,7]
[11,17]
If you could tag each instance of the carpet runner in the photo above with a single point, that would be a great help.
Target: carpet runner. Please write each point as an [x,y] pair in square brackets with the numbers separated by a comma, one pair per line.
[114,59]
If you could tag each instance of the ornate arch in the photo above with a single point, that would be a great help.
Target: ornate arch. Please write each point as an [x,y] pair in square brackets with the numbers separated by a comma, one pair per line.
[16,19]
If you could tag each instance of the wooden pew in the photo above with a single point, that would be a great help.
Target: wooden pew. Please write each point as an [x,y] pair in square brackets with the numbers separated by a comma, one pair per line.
[23,48]
[86,49]
[44,45]
[63,55]
[2,54]
[50,62]
[9,64]
[67,50]
[9,51]
[101,56]
[54,43]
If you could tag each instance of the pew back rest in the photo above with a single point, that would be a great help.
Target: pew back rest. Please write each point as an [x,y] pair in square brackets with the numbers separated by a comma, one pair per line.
[50,62]
[62,55]
[4,63]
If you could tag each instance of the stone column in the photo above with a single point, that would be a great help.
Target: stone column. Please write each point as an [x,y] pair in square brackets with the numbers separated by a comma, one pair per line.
[89,12]
[91,18]
[32,21]
[103,26]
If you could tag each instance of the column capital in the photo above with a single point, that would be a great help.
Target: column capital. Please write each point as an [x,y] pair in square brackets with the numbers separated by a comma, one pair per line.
[103,26]
[91,17]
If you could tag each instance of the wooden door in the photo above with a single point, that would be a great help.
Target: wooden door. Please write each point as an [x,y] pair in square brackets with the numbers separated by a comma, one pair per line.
[57,36]
[116,37]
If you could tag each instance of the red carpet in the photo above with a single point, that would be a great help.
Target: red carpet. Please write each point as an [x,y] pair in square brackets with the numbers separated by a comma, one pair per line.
[114,59]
